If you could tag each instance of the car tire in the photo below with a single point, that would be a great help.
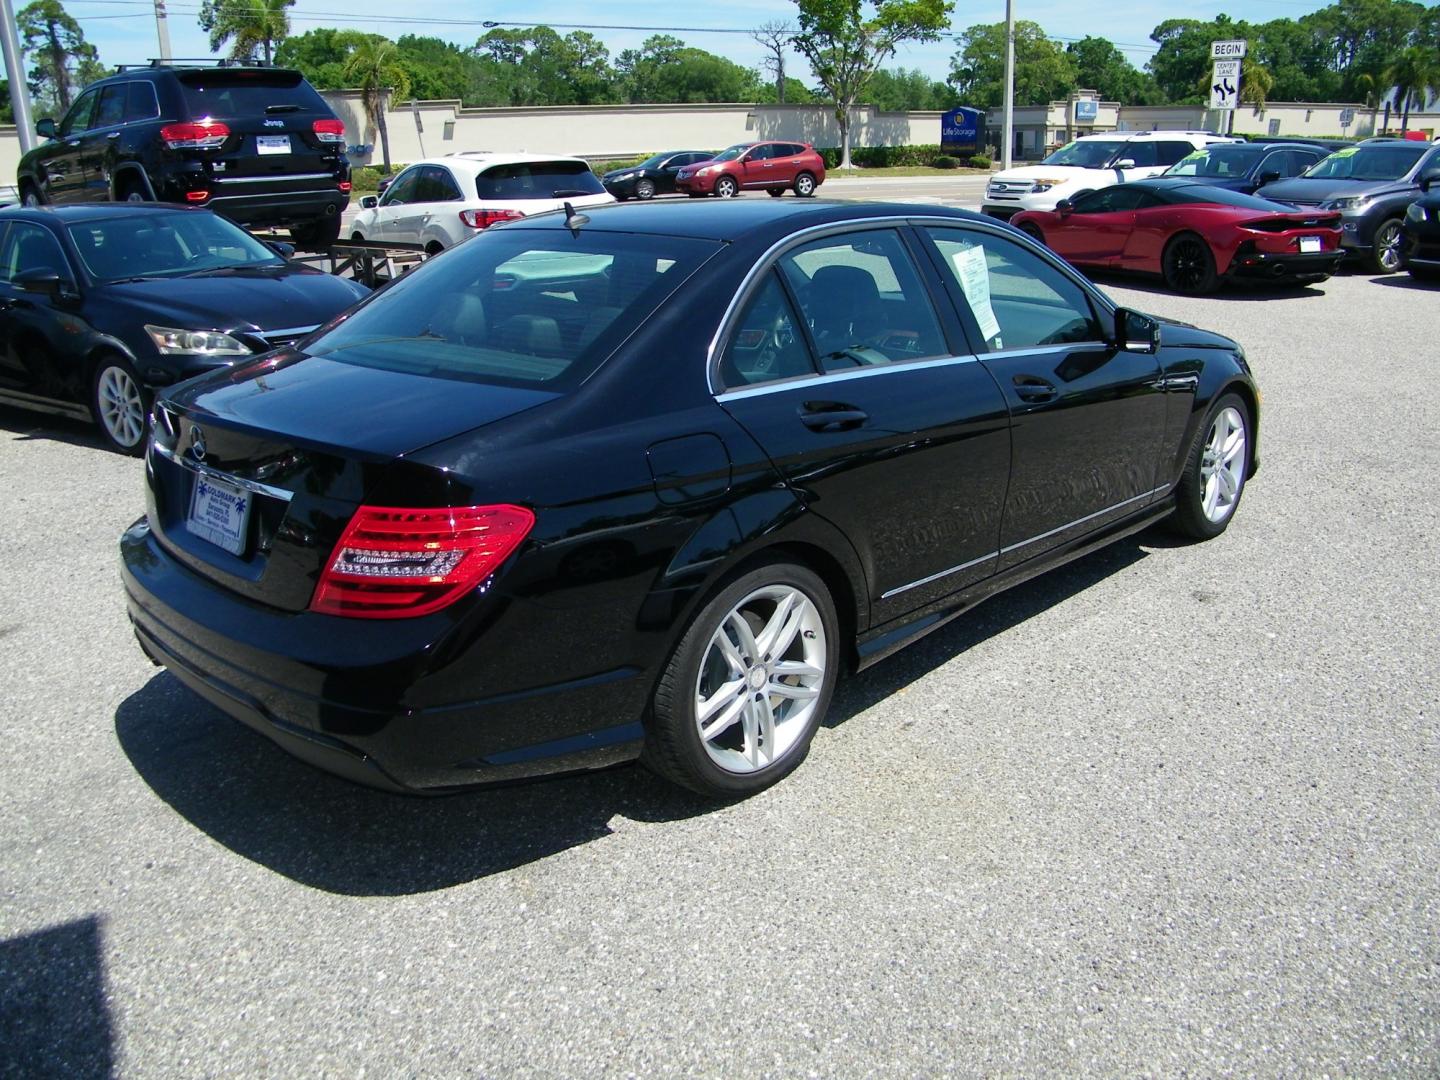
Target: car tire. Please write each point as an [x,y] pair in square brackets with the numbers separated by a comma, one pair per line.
[748,740]
[1188,265]
[1215,471]
[30,196]
[1386,255]
[1032,231]
[645,190]
[132,191]
[120,403]
[726,188]
[318,236]
[775,192]
[805,185]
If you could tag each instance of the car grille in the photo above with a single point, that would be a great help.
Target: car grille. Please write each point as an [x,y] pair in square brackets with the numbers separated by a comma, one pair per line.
[275,339]
[997,188]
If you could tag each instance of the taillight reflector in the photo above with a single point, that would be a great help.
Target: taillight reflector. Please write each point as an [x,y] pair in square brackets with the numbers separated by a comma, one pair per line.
[344,185]
[329,131]
[200,135]
[196,196]
[483,219]
[397,562]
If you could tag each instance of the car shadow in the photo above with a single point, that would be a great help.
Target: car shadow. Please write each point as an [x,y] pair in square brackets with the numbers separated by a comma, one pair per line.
[1405,281]
[22,425]
[333,835]
[1230,291]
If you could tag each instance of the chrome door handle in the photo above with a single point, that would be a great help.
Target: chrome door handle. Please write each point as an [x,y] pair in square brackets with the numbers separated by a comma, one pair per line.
[113,135]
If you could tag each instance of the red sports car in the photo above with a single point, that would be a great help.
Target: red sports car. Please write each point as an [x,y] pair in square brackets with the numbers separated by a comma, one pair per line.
[1193,235]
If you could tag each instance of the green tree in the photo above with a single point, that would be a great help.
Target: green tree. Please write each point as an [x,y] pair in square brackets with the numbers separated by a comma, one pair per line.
[796,93]
[547,69]
[64,61]
[319,55]
[665,69]
[1415,75]
[846,44]
[7,111]
[1044,71]
[902,90]
[438,69]
[373,67]
[1101,67]
[249,26]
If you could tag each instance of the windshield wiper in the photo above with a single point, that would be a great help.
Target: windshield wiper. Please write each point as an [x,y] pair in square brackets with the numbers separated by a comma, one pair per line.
[206,271]
[568,193]
[271,110]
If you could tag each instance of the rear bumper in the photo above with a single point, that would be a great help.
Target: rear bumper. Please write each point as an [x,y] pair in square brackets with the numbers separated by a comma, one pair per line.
[246,207]
[1290,266]
[351,696]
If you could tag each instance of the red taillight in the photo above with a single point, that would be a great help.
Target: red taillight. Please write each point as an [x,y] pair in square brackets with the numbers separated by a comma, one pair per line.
[344,185]
[196,196]
[396,563]
[332,131]
[483,219]
[200,135]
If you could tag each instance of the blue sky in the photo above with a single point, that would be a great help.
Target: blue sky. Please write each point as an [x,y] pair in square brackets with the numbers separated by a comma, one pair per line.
[124,30]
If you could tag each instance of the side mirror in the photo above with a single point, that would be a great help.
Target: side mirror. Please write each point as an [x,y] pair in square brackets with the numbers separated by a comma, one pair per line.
[284,250]
[1125,163]
[1065,207]
[45,128]
[1136,332]
[1269,176]
[369,202]
[42,281]
[1428,178]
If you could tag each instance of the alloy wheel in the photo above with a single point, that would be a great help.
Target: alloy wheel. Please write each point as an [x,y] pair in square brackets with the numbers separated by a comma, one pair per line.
[1187,258]
[1387,247]
[122,406]
[760,679]
[1222,465]
[645,190]
[725,188]
[805,186]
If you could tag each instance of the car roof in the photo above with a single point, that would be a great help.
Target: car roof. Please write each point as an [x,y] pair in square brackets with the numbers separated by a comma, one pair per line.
[478,161]
[78,212]
[727,220]
[1130,136]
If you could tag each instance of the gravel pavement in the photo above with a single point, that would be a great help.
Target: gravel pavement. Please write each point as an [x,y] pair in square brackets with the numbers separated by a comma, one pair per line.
[1172,810]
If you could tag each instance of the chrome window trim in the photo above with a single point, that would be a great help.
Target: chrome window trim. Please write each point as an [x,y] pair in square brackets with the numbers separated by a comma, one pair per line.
[224,478]
[825,378]
[288,331]
[1023,543]
[768,258]
[272,179]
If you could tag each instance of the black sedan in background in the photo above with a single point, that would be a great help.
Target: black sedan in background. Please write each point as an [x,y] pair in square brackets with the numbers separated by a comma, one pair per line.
[102,304]
[642,482]
[1243,167]
[1420,239]
[653,176]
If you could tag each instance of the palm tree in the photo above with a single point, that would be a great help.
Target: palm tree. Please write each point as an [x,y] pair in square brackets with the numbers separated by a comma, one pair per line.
[1414,74]
[373,67]
[1256,82]
[249,25]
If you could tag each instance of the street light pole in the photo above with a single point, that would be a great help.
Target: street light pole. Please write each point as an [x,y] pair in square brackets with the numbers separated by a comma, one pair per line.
[1008,136]
[162,30]
[15,69]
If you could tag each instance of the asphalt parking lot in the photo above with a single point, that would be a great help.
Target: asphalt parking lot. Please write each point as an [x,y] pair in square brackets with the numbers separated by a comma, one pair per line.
[1171,810]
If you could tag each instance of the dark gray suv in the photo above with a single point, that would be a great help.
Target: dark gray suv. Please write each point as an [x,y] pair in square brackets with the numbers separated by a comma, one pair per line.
[1371,184]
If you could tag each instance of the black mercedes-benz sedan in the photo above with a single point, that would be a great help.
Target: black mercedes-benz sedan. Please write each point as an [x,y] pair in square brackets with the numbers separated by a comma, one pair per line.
[643,482]
[102,304]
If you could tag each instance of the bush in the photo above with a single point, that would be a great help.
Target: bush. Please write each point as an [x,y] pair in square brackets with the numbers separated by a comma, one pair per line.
[945,161]
[365,180]
[601,166]
[890,157]
[980,161]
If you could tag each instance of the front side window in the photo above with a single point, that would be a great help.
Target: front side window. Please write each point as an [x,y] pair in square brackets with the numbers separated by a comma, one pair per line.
[435,185]
[1112,200]
[402,189]
[538,180]
[78,118]
[767,343]
[178,244]
[863,301]
[1016,299]
[521,307]
[27,248]
[111,110]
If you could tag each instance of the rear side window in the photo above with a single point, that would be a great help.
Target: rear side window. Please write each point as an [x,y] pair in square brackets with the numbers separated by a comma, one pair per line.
[538,180]
[246,92]
[140,103]
[1168,153]
[1141,153]
[517,306]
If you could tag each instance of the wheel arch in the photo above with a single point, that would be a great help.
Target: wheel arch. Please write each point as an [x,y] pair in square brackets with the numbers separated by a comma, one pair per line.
[127,171]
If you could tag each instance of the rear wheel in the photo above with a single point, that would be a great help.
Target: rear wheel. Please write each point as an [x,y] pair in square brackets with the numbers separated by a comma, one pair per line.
[726,188]
[805,185]
[1385,254]
[645,189]
[1214,479]
[120,404]
[775,192]
[30,195]
[131,190]
[1188,265]
[316,235]
[748,684]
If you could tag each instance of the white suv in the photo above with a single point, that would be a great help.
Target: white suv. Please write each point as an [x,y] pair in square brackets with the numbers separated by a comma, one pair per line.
[1092,161]
[441,201]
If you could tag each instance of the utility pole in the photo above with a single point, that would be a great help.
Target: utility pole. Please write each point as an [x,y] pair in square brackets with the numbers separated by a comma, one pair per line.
[162,30]
[15,69]
[1008,136]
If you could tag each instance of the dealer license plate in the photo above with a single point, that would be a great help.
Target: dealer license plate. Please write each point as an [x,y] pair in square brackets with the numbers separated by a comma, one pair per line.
[272,144]
[220,513]
[1310,243]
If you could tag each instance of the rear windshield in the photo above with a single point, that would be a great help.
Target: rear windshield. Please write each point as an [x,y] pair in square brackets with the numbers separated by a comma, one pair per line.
[1222,161]
[1368,163]
[1085,155]
[517,306]
[538,180]
[246,92]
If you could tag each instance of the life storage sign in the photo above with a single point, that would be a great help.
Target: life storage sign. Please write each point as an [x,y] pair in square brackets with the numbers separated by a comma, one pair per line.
[960,130]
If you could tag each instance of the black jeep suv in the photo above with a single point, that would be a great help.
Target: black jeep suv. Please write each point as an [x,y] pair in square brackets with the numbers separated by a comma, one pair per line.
[256,144]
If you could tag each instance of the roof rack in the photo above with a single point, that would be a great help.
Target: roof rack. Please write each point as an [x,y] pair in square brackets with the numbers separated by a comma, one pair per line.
[192,61]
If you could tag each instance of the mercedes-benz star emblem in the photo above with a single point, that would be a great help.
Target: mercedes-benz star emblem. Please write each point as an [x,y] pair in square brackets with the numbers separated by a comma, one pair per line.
[197,444]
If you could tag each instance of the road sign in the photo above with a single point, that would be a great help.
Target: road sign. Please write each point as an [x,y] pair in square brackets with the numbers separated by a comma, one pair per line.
[1225,84]
[1228,50]
[1347,117]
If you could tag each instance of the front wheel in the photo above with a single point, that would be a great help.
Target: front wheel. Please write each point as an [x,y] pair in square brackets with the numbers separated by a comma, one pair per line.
[645,190]
[1214,479]
[805,185]
[121,405]
[775,192]
[1188,265]
[748,685]
[1033,231]
[1385,254]
[726,188]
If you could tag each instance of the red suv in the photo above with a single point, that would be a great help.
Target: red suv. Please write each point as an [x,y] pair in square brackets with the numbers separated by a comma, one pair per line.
[773,166]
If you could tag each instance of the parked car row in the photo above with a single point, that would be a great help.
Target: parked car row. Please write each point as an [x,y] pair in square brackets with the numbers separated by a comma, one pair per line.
[772,166]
